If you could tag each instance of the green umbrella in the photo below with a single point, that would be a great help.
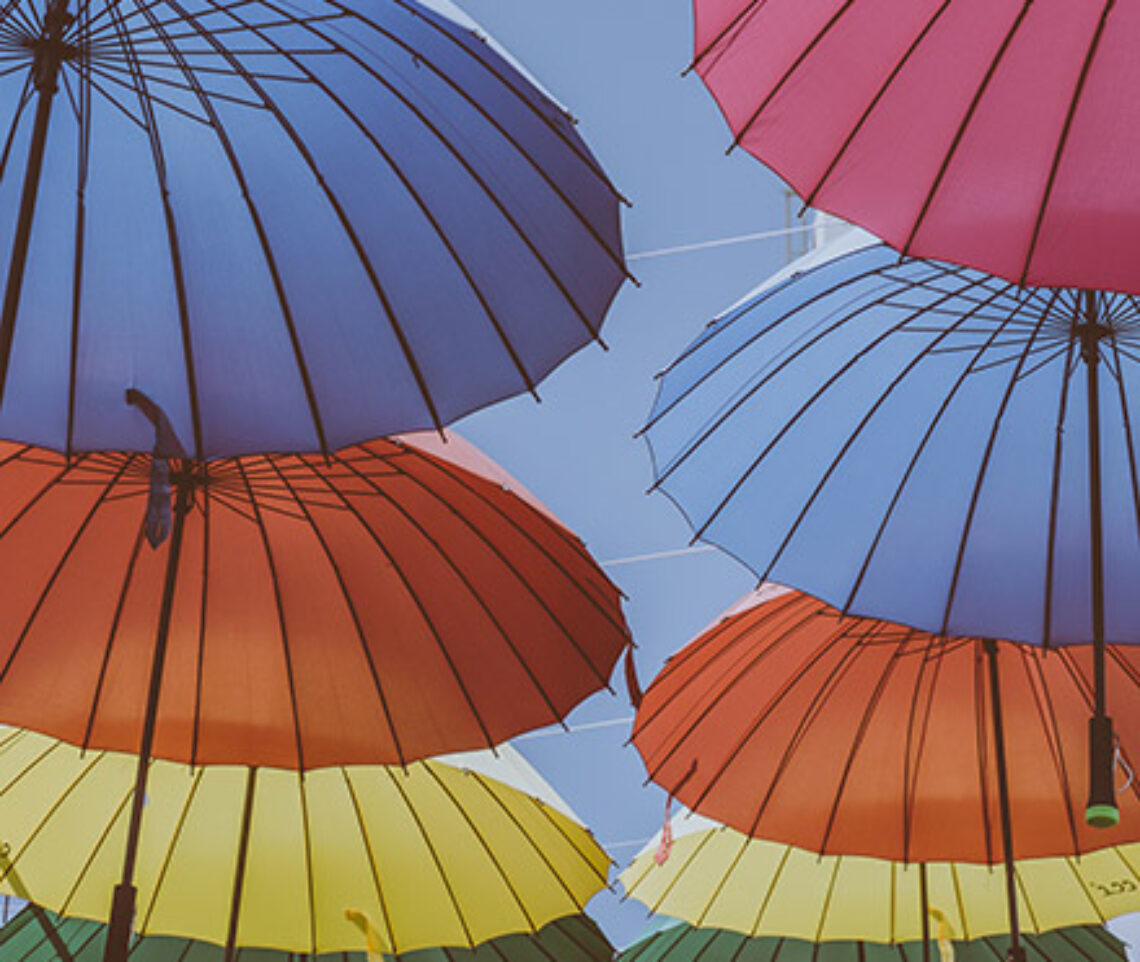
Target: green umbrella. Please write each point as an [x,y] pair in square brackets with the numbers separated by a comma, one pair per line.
[36,935]
[687,943]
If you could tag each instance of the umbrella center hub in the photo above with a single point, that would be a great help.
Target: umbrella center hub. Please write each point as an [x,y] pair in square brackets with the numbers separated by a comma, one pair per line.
[1089,333]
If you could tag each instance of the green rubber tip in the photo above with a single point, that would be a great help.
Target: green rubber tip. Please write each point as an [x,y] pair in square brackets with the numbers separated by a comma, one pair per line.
[1102,816]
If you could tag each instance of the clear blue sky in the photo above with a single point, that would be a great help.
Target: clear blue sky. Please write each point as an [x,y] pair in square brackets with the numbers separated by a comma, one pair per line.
[616,65]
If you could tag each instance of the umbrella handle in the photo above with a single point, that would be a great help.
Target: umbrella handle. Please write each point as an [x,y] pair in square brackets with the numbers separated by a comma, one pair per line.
[1102,811]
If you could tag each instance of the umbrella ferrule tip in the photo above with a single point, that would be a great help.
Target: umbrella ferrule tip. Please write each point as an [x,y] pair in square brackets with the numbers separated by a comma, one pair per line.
[1102,816]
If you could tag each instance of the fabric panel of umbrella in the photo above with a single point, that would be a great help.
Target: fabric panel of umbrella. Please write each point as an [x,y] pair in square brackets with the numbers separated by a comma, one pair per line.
[716,877]
[27,938]
[999,135]
[924,443]
[385,604]
[294,226]
[435,853]
[687,943]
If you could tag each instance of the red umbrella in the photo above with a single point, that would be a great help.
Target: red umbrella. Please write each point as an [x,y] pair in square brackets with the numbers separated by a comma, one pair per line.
[1001,134]
[378,606]
[852,736]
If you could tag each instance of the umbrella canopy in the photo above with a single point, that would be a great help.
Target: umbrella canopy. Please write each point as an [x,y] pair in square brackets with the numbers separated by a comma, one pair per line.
[719,878]
[999,135]
[850,736]
[912,441]
[384,603]
[686,943]
[294,226]
[439,853]
[575,938]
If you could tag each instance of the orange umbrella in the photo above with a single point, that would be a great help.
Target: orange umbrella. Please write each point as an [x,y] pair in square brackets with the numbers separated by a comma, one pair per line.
[378,606]
[851,736]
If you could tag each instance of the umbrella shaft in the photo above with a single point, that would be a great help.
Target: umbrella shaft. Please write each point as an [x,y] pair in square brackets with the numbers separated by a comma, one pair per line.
[1096,532]
[49,57]
[118,932]
[1015,951]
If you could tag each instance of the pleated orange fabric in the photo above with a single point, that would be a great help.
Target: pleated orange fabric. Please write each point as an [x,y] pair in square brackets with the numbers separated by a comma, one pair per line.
[378,606]
[852,736]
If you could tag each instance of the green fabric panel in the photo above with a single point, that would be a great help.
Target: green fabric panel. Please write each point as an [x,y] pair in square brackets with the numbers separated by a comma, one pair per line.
[576,938]
[686,943]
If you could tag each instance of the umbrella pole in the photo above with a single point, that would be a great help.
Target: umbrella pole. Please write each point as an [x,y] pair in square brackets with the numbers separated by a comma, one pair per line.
[1102,811]
[49,53]
[1016,952]
[123,902]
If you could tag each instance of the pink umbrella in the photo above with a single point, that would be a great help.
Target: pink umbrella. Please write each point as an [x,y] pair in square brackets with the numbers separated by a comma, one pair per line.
[1000,134]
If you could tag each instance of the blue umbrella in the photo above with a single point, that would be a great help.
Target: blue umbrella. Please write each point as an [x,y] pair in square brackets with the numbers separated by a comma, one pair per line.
[924,443]
[292,224]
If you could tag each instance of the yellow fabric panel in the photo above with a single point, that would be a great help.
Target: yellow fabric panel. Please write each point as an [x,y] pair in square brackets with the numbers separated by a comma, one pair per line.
[277,867]
[432,854]
[719,878]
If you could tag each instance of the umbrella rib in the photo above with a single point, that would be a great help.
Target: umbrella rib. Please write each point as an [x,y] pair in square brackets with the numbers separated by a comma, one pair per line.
[279,603]
[548,821]
[112,634]
[926,351]
[983,467]
[912,463]
[205,101]
[90,859]
[861,120]
[65,557]
[726,323]
[805,52]
[944,165]
[370,854]
[519,91]
[436,859]
[84,116]
[1051,729]
[835,320]
[749,10]
[574,580]
[173,243]
[744,396]
[860,735]
[746,664]
[777,874]
[416,196]
[420,605]
[468,167]
[543,172]
[710,648]
[1063,139]
[203,609]
[1055,496]
[171,845]
[1129,444]
[437,548]
[914,754]
[983,741]
[17,115]
[333,202]
[489,850]
[350,605]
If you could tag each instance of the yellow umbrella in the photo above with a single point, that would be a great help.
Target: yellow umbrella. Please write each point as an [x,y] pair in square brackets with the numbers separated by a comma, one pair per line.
[448,852]
[716,877]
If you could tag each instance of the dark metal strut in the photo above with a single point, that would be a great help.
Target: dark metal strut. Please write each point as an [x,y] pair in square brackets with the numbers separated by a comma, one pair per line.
[1016,950]
[1102,811]
[49,51]
[123,901]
